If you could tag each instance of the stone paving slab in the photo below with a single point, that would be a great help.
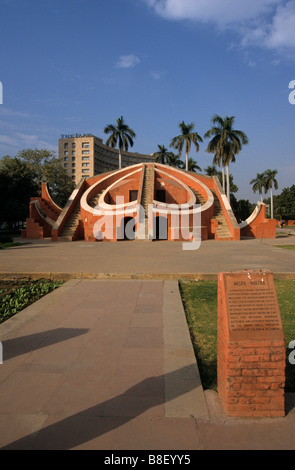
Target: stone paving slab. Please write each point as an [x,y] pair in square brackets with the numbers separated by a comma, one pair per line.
[100,374]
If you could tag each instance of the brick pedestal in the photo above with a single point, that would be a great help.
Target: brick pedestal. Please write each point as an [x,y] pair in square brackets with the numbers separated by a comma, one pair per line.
[251,345]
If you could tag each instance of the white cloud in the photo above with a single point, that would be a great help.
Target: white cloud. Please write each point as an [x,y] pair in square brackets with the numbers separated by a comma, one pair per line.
[127,61]
[157,75]
[282,31]
[264,23]
[221,12]
[18,139]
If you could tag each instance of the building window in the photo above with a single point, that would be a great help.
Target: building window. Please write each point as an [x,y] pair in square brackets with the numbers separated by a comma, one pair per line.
[73,159]
[73,171]
[85,171]
[85,158]
[85,152]
[73,145]
[85,145]
[66,146]
[66,159]
[73,164]
[65,165]
[85,164]
[66,152]
[73,152]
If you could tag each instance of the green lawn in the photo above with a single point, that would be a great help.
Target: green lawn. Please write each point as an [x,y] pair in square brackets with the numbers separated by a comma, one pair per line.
[200,304]
[287,247]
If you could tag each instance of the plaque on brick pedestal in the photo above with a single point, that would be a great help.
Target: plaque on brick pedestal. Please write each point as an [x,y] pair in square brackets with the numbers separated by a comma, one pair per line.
[251,346]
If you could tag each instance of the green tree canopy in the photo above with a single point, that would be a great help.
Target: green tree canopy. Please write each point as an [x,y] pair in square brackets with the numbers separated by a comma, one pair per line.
[193,165]
[163,155]
[48,168]
[284,206]
[17,185]
[242,208]
[213,171]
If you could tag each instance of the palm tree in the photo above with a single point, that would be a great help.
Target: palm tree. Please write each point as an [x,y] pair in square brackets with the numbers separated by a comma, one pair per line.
[176,162]
[212,170]
[121,134]
[270,183]
[193,165]
[163,155]
[225,144]
[186,138]
[259,184]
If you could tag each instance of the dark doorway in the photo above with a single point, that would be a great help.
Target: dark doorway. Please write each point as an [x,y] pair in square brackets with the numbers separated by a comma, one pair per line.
[161,195]
[133,194]
[161,228]
[128,228]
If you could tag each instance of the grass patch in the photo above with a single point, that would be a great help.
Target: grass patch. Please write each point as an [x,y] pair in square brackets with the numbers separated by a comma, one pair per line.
[10,244]
[287,247]
[16,295]
[200,304]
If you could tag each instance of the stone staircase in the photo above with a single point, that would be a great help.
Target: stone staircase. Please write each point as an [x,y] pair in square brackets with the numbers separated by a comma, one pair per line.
[147,195]
[199,198]
[94,200]
[71,224]
[222,231]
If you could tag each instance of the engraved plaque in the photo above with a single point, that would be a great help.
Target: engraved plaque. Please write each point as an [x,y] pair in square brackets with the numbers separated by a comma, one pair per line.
[252,305]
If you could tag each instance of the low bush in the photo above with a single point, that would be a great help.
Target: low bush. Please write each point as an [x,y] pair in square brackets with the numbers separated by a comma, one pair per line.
[20,297]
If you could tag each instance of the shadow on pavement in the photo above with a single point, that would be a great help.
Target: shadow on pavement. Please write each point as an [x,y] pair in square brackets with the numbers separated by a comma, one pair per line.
[17,346]
[93,422]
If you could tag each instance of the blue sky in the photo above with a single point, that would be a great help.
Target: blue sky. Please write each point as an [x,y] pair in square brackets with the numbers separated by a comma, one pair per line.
[70,66]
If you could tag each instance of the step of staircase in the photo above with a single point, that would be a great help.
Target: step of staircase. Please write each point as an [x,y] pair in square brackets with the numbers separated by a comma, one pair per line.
[199,198]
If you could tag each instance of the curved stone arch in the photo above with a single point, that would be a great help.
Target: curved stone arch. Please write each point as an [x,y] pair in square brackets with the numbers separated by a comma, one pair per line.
[253,216]
[163,206]
[102,205]
[42,214]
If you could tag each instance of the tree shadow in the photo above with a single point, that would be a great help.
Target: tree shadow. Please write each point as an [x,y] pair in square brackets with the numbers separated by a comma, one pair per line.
[17,346]
[109,415]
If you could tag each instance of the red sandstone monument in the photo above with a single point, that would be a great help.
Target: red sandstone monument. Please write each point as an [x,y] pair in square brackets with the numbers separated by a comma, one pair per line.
[151,189]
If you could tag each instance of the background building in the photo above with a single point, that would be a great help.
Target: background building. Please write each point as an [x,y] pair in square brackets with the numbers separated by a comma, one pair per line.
[85,155]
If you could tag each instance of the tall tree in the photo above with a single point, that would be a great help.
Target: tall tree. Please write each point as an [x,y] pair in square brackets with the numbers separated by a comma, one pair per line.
[17,185]
[176,162]
[193,165]
[259,184]
[186,139]
[48,168]
[226,143]
[270,183]
[211,170]
[122,135]
[163,155]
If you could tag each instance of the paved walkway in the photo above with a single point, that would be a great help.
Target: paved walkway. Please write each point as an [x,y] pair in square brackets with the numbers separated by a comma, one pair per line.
[142,259]
[109,365]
